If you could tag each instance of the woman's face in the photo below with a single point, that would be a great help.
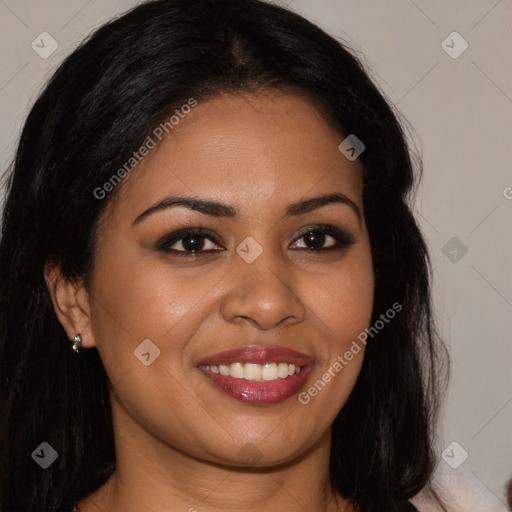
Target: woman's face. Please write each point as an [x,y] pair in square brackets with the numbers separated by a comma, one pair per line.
[254,298]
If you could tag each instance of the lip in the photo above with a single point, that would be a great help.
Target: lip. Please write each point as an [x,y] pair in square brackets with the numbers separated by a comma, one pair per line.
[258,355]
[258,392]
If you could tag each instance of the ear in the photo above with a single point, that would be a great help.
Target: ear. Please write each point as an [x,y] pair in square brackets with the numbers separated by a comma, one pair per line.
[70,302]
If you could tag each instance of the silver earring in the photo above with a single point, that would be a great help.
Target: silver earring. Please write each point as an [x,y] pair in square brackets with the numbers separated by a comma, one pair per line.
[77,343]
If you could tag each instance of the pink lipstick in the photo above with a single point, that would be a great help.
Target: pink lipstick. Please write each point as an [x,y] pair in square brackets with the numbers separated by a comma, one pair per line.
[258,375]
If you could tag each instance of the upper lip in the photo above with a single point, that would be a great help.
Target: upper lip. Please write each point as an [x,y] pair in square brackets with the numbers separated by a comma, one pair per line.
[258,355]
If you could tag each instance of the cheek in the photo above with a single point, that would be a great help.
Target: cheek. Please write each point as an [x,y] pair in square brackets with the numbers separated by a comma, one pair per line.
[159,401]
[344,301]
[148,299]
[134,301]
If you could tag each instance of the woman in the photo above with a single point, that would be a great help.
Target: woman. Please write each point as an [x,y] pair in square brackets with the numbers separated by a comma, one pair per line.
[214,295]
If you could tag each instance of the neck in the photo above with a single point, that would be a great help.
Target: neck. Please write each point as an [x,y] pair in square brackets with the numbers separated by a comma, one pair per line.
[153,476]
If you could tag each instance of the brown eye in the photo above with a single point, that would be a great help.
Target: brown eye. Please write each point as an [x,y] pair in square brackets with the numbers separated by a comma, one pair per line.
[188,242]
[191,243]
[315,239]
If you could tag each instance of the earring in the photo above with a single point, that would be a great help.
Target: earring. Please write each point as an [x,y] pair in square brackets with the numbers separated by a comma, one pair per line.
[77,343]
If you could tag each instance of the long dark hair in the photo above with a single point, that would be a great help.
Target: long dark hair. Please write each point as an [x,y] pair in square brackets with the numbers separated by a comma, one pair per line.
[97,109]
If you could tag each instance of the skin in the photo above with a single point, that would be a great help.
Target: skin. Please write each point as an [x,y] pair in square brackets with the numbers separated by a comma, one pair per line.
[182,444]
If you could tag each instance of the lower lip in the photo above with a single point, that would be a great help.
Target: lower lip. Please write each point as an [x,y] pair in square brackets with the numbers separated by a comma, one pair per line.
[256,392]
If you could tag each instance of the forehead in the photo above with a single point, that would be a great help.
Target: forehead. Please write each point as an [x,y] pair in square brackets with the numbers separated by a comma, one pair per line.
[252,151]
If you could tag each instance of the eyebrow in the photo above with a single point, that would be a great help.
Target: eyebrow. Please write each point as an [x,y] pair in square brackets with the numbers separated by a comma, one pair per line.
[218,209]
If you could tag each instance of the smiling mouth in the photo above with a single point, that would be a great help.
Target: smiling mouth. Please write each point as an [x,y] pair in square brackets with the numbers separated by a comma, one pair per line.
[258,375]
[256,372]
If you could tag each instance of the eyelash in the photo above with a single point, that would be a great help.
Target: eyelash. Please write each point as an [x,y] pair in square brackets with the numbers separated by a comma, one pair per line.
[343,240]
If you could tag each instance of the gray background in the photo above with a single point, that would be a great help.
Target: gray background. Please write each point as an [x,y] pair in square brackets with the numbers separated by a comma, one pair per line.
[460,109]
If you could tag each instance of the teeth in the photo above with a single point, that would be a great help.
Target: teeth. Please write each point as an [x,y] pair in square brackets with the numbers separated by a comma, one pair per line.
[236,370]
[256,372]
[269,371]
[283,370]
[252,371]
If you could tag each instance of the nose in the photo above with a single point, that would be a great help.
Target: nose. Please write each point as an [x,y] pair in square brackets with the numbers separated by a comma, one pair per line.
[262,293]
